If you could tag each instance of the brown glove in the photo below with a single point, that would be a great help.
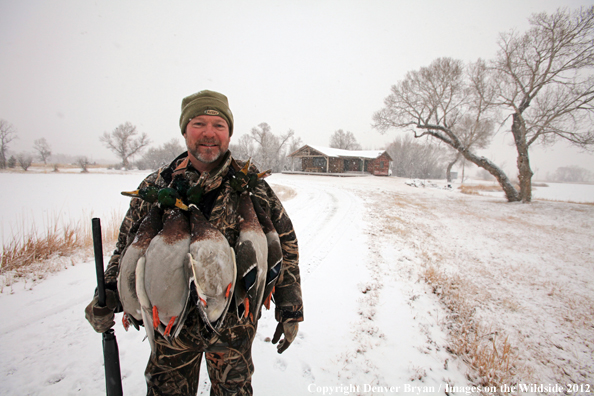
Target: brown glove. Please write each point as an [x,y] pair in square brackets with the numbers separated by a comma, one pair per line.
[289,330]
[102,318]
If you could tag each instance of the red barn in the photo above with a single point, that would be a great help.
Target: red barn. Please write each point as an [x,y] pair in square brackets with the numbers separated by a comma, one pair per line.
[331,160]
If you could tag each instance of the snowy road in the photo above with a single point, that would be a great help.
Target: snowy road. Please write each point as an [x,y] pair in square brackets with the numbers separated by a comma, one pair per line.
[360,328]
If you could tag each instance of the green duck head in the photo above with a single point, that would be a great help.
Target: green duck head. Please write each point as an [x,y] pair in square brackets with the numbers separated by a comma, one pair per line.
[244,181]
[149,194]
[169,197]
[181,185]
[194,194]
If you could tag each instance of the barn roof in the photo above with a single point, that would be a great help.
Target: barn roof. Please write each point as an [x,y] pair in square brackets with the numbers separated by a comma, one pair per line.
[334,152]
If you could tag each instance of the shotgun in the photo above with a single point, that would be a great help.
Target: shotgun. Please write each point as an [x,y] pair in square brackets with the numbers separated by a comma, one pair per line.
[111,355]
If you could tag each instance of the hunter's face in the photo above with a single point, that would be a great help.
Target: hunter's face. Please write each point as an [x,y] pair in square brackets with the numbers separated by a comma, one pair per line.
[207,138]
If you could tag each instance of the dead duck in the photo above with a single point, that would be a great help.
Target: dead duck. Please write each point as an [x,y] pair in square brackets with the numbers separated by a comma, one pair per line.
[275,253]
[213,269]
[243,180]
[251,258]
[149,227]
[149,193]
[162,276]
[167,197]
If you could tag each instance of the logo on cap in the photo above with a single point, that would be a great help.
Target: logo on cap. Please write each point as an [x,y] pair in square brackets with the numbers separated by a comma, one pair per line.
[211,112]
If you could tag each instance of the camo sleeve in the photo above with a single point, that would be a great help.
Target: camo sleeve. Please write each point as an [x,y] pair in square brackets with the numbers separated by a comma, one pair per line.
[287,294]
[138,209]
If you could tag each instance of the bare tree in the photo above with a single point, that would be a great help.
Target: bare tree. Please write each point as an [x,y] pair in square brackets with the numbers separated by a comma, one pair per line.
[11,163]
[451,103]
[83,162]
[344,140]
[123,143]
[43,148]
[544,80]
[294,145]
[155,158]
[24,160]
[269,146]
[244,148]
[417,159]
[7,135]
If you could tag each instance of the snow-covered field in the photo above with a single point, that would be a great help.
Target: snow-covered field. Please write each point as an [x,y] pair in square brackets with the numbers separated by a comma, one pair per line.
[372,325]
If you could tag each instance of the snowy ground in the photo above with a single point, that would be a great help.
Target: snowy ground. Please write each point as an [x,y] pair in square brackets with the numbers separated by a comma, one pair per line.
[372,326]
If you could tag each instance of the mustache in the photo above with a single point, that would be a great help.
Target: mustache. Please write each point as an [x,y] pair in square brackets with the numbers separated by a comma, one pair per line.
[209,141]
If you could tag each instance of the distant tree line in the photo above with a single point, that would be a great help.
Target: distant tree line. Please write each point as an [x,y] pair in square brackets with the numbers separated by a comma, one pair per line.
[571,174]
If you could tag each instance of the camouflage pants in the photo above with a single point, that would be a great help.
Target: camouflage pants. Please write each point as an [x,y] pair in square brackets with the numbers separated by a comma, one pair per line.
[174,368]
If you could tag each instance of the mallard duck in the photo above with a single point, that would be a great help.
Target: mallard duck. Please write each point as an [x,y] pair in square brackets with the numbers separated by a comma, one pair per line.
[213,269]
[166,267]
[275,252]
[149,227]
[195,193]
[181,185]
[149,194]
[167,197]
[250,255]
[244,180]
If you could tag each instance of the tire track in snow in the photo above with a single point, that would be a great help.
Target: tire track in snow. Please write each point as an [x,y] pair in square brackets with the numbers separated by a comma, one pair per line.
[322,222]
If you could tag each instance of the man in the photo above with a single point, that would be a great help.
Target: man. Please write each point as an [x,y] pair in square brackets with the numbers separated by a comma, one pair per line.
[206,123]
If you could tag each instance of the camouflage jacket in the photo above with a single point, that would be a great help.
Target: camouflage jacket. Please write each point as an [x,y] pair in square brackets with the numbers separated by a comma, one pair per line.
[287,295]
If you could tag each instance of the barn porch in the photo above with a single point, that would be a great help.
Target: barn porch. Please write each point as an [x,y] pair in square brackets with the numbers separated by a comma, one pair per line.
[331,161]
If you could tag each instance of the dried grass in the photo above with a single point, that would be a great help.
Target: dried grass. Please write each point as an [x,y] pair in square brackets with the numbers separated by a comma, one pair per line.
[487,351]
[23,254]
[476,189]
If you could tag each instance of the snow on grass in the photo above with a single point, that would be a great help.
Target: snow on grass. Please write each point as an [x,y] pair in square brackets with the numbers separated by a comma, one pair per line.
[523,272]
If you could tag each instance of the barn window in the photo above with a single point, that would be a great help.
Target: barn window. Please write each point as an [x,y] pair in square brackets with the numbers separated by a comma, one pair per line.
[319,161]
[381,164]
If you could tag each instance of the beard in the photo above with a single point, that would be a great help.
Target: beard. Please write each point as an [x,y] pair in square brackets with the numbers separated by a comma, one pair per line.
[207,155]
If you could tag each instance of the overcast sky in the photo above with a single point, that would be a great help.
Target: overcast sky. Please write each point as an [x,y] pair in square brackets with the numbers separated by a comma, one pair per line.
[73,69]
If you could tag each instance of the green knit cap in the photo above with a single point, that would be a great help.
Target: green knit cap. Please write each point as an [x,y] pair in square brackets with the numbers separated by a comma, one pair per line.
[208,103]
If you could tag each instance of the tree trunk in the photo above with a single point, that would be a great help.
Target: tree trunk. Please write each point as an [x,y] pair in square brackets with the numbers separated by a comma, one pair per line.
[449,169]
[508,188]
[524,171]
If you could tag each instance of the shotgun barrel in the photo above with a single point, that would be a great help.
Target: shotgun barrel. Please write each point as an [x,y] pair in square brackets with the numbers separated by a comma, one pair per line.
[111,355]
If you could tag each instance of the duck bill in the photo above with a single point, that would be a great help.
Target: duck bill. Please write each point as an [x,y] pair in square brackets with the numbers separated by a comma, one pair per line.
[133,194]
[245,168]
[265,174]
[180,204]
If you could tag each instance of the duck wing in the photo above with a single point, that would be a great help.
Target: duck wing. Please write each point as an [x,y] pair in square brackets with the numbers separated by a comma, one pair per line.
[166,273]
[213,270]
[149,227]
[251,253]
[145,304]
[275,253]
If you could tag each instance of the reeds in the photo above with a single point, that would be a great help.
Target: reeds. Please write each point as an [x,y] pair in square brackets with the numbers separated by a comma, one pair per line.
[31,252]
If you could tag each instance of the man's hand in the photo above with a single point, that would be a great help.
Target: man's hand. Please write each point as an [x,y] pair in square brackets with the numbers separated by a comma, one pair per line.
[290,332]
[102,318]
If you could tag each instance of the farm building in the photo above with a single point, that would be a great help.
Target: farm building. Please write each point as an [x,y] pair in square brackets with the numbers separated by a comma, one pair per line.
[331,160]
